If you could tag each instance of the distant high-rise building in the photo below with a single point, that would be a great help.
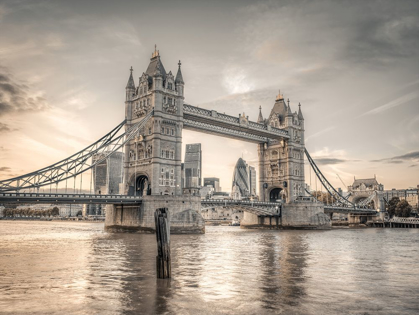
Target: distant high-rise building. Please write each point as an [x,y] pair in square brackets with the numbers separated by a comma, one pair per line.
[214,182]
[182,175]
[193,166]
[252,180]
[107,174]
[244,180]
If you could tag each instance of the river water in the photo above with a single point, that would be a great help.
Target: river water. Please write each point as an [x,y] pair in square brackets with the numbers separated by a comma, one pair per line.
[77,268]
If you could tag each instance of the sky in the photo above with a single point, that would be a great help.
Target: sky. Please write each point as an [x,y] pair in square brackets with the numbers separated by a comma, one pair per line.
[353,66]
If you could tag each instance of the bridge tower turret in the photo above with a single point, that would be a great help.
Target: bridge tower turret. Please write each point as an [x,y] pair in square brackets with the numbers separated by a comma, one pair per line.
[153,158]
[281,162]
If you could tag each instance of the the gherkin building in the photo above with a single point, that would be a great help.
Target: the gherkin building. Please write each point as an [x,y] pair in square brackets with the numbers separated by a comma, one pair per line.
[241,178]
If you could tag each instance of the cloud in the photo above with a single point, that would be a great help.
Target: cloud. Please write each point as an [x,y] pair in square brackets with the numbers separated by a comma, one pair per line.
[4,128]
[394,161]
[331,161]
[397,102]
[412,165]
[321,132]
[5,169]
[411,156]
[408,156]
[17,97]
[323,161]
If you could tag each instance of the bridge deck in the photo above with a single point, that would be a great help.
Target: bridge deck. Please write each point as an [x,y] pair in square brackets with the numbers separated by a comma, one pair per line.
[213,122]
[257,207]
[66,198]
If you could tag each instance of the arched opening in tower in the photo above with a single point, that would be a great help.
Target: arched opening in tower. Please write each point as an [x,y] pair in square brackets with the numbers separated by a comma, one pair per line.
[275,194]
[142,186]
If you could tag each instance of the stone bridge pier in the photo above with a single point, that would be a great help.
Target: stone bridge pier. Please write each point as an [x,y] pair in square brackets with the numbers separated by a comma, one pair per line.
[304,214]
[184,215]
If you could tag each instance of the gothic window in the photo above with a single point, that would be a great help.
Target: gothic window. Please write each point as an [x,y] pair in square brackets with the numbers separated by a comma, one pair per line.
[172,171]
[167,154]
[173,132]
[169,100]
[167,131]
[162,130]
[162,153]
[149,131]
[170,86]
[148,101]
[162,170]
[171,155]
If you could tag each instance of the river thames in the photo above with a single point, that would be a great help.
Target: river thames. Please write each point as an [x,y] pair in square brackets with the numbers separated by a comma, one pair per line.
[77,268]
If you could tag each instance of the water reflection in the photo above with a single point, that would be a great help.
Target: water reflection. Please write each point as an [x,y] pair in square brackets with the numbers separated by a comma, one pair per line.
[72,268]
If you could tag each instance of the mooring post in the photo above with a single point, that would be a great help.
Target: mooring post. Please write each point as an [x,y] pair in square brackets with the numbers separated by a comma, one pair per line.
[163,260]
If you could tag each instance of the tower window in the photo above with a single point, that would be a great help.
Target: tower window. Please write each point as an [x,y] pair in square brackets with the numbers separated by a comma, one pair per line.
[173,132]
[162,130]
[170,86]
[149,131]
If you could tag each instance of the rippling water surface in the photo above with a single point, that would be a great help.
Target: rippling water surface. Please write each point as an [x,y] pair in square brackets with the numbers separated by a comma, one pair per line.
[77,268]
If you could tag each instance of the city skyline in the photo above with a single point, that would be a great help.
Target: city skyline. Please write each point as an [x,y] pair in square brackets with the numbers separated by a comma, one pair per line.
[64,69]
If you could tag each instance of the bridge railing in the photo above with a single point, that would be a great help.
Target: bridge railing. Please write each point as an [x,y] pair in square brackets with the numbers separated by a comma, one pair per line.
[189,109]
[58,195]
[404,220]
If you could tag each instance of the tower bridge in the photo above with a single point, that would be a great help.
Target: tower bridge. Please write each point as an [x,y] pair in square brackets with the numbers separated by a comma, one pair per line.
[150,138]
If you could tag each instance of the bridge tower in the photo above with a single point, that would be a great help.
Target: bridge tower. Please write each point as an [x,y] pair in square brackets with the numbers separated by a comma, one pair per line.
[281,163]
[152,164]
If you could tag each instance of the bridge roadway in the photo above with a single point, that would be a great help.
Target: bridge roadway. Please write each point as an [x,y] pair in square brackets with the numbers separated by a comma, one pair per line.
[64,198]
[256,207]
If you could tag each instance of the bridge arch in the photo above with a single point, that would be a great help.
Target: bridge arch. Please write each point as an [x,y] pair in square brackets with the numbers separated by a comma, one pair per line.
[139,184]
[372,204]
[277,193]
[142,186]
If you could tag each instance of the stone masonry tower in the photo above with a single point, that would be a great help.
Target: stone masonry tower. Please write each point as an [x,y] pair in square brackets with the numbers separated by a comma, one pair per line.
[281,163]
[152,163]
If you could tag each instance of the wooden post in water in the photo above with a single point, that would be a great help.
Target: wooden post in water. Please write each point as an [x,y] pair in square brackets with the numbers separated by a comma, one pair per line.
[163,260]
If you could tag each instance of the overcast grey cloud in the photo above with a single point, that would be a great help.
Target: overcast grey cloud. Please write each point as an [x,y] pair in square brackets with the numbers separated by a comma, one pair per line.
[353,65]
[326,161]
[4,169]
[411,156]
[16,97]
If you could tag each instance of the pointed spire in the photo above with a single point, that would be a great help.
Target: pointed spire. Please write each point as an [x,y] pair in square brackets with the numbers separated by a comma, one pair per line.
[279,96]
[300,114]
[155,53]
[289,113]
[260,118]
[130,84]
[179,78]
